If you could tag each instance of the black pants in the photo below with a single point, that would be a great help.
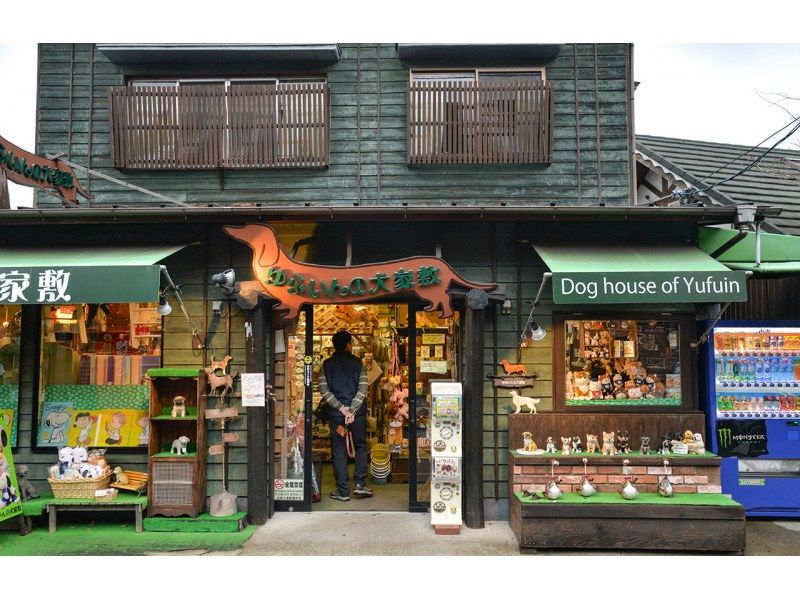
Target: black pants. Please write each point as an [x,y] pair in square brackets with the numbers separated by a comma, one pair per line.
[340,459]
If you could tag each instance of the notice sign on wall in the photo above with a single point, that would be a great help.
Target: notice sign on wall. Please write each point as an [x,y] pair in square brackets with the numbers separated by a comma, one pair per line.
[649,287]
[253,393]
[288,489]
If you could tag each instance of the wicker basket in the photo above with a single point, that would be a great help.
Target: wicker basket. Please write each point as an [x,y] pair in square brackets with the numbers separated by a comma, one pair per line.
[78,488]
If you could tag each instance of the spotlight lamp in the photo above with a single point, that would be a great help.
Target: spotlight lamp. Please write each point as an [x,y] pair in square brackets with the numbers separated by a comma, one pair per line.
[164,308]
[225,280]
[506,309]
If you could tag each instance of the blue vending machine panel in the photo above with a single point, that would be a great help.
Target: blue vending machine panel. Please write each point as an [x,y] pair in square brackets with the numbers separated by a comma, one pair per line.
[753,408]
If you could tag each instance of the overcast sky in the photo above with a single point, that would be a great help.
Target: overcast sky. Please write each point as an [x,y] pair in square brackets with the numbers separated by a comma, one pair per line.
[693,91]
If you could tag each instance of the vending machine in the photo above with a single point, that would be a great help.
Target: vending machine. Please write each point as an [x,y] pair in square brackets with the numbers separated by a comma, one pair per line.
[446,455]
[753,407]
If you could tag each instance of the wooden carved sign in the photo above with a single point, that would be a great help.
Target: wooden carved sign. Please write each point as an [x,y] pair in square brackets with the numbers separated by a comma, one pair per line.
[31,170]
[294,284]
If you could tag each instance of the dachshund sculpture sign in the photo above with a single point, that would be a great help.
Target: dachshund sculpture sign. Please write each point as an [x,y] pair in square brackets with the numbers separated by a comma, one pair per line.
[294,284]
[31,170]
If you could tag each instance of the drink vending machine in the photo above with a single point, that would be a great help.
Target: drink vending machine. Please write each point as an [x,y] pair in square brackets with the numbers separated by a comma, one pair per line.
[753,408]
[446,454]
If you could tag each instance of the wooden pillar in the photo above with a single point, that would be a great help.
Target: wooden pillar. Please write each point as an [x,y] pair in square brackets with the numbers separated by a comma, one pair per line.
[5,198]
[477,300]
[256,361]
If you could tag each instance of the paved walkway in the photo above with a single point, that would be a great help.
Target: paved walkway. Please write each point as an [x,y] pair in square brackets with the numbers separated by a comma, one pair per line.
[392,534]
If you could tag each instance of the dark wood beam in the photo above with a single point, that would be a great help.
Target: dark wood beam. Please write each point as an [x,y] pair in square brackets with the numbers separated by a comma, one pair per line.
[257,483]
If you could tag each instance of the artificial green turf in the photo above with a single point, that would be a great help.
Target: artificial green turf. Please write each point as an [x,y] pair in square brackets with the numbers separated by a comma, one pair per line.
[645,498]
[660,401]
[113,539]
[173,373]
[203,523]
[620,456]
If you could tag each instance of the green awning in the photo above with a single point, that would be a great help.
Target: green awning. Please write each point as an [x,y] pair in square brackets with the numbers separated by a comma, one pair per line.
[780,254]
[81,274]
[590,274]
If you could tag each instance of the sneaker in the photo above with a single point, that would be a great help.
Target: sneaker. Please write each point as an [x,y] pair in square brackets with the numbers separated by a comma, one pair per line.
[362,490]
[336,496]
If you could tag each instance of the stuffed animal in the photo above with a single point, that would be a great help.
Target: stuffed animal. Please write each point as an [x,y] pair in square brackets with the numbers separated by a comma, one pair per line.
[581,385]
[569,385]
[179,445]
[608,443]
[595,389]
[659,390]
[89,471]
[26,489]
[634,393]
[591,443]
[566,445]
[551,446]
[622,443]
[54,472]
[80,455]
[64,459]
[650,393]
[607,386]
[577,447]
[644,447]
[179,406]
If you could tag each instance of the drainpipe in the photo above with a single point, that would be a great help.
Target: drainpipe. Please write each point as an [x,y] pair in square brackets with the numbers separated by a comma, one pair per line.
[758,244]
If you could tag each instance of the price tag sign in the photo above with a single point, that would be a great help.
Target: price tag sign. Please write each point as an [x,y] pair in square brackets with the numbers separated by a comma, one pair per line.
[253,393]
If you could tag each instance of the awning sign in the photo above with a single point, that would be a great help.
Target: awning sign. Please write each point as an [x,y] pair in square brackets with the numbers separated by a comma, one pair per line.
[648,287]
[79,284]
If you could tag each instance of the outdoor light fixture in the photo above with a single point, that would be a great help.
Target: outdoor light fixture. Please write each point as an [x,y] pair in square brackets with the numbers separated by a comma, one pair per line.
[506,306]
[225,280]
[532,333]
[164,308]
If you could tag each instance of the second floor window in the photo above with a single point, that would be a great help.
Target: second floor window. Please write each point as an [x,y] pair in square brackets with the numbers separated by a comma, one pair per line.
[479,116]
[211,123]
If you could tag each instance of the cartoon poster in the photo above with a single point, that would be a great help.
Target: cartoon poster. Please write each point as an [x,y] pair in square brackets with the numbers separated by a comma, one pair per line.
[10,502]
[64,424]
[54,424]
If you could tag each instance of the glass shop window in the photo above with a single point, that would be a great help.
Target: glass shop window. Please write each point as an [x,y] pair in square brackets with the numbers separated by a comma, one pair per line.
[93,365]
[10,332]
[622,363]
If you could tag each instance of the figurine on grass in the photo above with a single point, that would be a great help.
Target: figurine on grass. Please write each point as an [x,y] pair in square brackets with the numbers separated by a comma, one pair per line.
[665,488]
[591,443]
[577,447]
[585,487]
[622,443]
[550,446]
[551,489]
[627,490]
[566,445]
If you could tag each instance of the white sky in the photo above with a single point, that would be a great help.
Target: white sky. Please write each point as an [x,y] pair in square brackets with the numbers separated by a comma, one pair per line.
[695,90]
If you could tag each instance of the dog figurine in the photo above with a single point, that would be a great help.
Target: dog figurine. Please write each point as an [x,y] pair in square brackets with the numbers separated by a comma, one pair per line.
[577,447]
[120,476]
[513,368]
[551,446]
[26,489]
[566,445]
[644,448]
[697,446]
[519,401]
[608,443]
[665,444]
[591,443]
[527,442]
[179,445]
[179,406]
[622,443]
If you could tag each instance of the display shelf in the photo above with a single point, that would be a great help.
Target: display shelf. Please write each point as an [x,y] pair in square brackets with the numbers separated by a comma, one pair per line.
[636,458]
[755,352]
[658,401]
[758,387]
[758,414]
[644,498]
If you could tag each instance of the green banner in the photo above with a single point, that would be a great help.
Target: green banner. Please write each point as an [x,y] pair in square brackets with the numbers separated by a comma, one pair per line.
[648,287]
[79,284]
[10,500]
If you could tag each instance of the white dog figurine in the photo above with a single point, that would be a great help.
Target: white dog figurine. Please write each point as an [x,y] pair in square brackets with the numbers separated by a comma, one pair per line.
[179,445]
[551,446]
[519,401]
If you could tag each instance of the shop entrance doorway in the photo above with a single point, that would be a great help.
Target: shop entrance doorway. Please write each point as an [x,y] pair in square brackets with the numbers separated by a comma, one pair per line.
[403,349]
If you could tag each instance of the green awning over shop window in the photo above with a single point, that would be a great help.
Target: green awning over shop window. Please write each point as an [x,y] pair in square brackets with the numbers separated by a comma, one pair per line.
[780,254]
[81,274]
[590,274]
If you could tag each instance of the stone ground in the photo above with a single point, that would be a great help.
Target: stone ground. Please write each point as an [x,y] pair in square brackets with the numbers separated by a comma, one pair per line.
[352,533]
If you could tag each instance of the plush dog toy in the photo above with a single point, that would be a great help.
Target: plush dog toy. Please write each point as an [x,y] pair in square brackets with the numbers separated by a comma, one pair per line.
[64,459]
[179,445]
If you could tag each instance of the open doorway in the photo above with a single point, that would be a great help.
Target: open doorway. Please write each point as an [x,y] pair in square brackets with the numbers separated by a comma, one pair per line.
[402,350]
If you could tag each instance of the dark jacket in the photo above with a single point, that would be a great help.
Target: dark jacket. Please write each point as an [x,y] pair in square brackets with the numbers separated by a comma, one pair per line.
[343,381]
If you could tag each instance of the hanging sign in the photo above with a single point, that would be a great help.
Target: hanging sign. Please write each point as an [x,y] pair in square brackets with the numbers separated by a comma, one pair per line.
[253,390]
[433,339]
[295,284]
[31,170]
[648,287]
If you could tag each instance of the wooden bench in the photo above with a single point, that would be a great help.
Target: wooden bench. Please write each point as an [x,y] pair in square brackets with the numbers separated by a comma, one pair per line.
[123,502]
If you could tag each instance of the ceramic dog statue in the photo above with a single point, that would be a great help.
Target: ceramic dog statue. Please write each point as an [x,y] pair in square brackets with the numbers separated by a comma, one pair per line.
[644,447]
[577,447]
[179,445]
[179,406]
[608,443]
[527,442]
[566,445]
[591,443]
[513,368]
[26,489]
[697,446]
[519,401]
[551,445]
[665,444]
[622,443]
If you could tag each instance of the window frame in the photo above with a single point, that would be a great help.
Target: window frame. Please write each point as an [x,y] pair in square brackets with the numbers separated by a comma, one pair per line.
[686,359]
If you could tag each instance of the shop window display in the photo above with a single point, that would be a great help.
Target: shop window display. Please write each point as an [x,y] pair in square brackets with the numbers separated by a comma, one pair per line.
[10,330]
[621,362]
[93,390]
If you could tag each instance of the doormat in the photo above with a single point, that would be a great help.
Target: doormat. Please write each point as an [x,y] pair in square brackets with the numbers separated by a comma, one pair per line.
[113,539]
[204,523]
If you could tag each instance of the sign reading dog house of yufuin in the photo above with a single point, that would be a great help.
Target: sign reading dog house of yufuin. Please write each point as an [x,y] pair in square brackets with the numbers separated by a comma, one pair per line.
[294,284]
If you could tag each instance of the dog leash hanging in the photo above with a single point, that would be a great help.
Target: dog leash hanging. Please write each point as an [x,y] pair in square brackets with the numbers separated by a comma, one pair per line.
[351,451]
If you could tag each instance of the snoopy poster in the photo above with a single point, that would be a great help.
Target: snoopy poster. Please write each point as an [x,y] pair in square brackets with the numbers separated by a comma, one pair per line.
[10,504]
[54,424]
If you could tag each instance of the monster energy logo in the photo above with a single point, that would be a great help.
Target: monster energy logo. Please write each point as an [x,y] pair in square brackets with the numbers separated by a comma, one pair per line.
[724,435]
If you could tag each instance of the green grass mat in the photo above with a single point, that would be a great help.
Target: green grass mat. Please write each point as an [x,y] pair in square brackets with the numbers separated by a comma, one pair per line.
[204,523]
[665,401]
[645,498]
[113,539]
[620,456]
[189,455]
[37,506]
[172,373]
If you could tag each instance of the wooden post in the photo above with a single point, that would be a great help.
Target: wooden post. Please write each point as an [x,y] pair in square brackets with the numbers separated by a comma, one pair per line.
[5,198]
[255,361]
[477,300]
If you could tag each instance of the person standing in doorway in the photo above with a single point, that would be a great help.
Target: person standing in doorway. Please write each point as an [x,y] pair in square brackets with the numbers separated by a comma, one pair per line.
[343,384]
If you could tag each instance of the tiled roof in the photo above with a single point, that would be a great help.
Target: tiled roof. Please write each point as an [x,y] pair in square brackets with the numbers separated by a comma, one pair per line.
[775,181]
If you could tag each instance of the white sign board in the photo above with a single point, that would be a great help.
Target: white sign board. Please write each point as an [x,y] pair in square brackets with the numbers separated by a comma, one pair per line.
[253,390]
[288,489]
[433,367]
